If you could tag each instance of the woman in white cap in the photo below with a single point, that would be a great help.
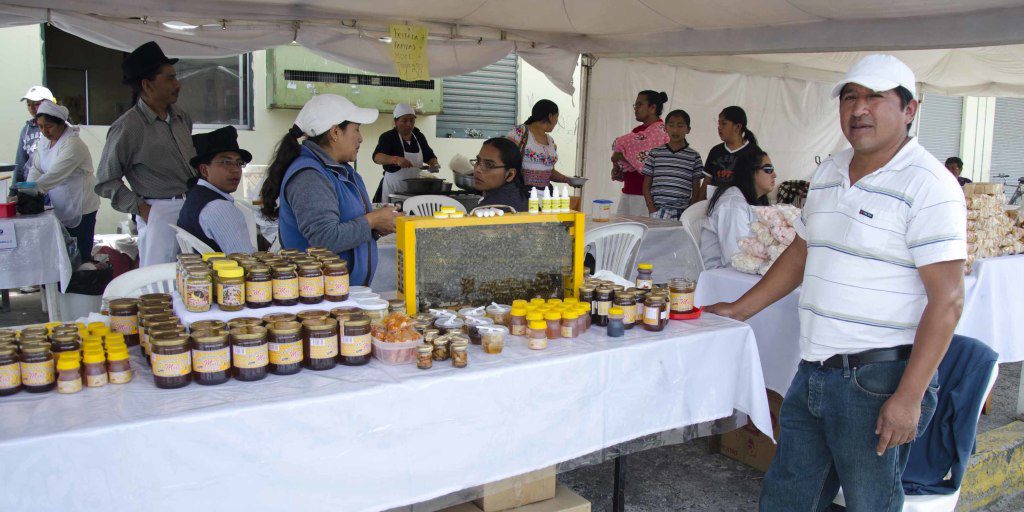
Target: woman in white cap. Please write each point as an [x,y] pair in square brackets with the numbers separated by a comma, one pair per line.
[29,136]
[402,151]
[317,197]
[62,168]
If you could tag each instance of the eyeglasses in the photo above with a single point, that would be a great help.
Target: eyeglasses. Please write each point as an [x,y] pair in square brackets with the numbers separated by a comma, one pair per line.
[485,164]
[227,162]
[768,169]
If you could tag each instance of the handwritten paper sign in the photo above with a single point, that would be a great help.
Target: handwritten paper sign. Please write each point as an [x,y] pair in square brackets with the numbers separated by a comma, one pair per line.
[7,238]
[409,51]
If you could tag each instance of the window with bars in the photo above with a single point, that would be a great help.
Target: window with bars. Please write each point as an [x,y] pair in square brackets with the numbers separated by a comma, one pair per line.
[481,104]
[355,79]
[941,125]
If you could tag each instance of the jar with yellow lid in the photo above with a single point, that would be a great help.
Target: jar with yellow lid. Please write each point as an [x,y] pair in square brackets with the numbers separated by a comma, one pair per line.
[69,374]
[94,362]
[537,338]
[208,255]
[119,368]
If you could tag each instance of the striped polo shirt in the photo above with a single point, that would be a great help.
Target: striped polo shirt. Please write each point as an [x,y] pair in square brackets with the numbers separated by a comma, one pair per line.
[861,287]
[672,174]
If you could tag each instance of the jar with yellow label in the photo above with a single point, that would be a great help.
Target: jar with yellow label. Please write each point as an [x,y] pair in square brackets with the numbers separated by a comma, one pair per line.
[94,370]
[681,294]
[286,286]
[198,291]
[259,287]
[285,348]
[602,302]
[230,287]
[356,342]
[320,344]
[249,352]
[311,283]
[10,371]
[171,361]
[211,357]
[627,301]
[336,281]
[38,372]
[124,318]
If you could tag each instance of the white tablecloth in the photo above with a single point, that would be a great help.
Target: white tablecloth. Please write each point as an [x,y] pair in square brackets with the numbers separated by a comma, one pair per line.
[666,246]
[41,256]
[370,437]
[994,295]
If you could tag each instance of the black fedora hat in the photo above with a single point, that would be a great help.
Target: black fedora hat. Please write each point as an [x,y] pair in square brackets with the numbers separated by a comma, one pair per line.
[218,141]
[144,60]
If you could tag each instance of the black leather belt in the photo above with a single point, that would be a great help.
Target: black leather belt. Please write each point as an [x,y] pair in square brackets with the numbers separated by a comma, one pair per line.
[880,355]
[179,196]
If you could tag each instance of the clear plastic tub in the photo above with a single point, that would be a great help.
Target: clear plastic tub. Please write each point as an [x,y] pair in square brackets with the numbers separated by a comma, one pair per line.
[493,338]
[601,210]
[397,353]
[363,296]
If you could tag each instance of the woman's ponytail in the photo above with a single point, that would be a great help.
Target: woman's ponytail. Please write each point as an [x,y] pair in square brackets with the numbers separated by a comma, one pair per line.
[286,153]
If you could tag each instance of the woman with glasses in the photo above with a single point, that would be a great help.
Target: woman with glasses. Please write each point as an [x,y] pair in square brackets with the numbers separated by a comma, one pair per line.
[496,173]
[729,214]
[209,212]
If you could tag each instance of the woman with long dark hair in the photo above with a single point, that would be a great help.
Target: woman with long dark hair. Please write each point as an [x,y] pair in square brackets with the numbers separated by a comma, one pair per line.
[497,174]
[317,197]
[736,139]
[537,147]
[729,214]
[629,151]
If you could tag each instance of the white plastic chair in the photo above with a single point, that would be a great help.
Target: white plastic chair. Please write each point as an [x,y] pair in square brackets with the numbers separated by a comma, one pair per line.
[693,218]
[152,279]
[933,502]
[188,243]
[249,213]
[425,206]
[615,246]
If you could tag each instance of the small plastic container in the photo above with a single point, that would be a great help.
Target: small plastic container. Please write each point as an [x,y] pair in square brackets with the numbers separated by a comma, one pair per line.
[570,324]
[357,289]
[537,338]
[500,313]
[397,353]
[615,326]
[424,356]
[471,327]
[363,296]
[375,309]
[493,338]
[449,324]
[477,311]
[601,211]
[553,325]
[460,354]
[517,324]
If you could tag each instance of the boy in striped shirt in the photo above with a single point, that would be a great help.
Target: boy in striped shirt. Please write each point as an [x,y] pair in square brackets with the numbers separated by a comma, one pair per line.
[879,254]
[673,171]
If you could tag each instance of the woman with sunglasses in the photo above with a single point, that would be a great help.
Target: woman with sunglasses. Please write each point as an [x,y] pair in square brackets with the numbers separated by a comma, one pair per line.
[496,174]
[729,214]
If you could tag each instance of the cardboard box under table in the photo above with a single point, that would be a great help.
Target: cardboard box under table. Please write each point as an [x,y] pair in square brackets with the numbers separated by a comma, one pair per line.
[448,263]
[748,445]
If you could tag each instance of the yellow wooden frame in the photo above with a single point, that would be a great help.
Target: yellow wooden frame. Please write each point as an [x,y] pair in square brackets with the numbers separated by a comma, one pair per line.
[406,244]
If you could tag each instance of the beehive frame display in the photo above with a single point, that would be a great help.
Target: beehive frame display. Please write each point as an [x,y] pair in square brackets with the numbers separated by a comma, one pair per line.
[472,261]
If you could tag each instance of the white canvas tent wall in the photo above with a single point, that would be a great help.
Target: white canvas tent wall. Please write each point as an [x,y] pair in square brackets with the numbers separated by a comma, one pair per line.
[789,38]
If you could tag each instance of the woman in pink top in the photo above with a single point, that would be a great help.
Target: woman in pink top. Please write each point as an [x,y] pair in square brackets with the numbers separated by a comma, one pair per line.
[630,151]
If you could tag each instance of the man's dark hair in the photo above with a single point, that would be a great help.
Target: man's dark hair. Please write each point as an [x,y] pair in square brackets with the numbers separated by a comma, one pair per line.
[136,85]
[954,160]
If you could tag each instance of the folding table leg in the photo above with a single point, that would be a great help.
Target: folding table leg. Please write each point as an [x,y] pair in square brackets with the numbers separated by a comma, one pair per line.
[50,292]
[5,301]
[619,489]
[1020,397]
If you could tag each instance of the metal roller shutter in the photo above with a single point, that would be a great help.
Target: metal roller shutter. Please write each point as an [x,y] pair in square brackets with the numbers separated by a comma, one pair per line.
[941,124]
[1008,140]
[481,104]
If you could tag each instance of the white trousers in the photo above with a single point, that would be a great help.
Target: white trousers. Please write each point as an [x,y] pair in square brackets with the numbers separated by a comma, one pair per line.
[156,238]
[632,206]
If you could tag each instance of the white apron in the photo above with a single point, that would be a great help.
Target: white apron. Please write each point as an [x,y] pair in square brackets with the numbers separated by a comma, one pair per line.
[66,197]
[157,243]
[394,182]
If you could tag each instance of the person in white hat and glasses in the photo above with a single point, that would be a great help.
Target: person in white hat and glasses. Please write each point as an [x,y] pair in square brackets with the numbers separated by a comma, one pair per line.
[62,168]
[402,151]
[317,197]
[879,254]
[29,136]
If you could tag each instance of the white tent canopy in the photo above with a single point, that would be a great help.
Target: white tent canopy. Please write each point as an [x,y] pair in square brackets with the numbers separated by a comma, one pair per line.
[470,34]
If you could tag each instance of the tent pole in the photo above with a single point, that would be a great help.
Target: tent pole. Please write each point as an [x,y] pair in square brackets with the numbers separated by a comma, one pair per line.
[586,64]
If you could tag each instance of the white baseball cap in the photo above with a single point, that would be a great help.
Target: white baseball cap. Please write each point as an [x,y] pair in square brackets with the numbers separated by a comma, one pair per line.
[326,110]
[404,109]
[38,93]
[879,73]
[52,109]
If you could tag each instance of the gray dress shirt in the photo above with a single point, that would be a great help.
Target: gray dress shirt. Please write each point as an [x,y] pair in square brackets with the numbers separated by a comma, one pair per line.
[151,153]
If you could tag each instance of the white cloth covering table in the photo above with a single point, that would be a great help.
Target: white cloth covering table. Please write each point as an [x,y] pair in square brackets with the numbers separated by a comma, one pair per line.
[371,437]
[41,258]
[994,293]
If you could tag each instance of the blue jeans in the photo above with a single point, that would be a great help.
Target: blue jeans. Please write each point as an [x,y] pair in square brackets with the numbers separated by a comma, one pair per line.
[827,438]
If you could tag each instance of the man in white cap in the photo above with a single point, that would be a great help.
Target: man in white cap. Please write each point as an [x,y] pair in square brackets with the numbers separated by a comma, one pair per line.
[402,151]
[30,132]
[879,255]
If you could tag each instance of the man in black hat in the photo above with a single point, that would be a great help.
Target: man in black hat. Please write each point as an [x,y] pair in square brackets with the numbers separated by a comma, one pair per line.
[209,212]
[150,146]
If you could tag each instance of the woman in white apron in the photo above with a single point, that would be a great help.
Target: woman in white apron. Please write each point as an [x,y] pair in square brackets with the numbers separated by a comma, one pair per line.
[402,151]
[62,168]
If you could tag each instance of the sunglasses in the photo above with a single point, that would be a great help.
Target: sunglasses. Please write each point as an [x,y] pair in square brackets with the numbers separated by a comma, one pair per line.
[767,169]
